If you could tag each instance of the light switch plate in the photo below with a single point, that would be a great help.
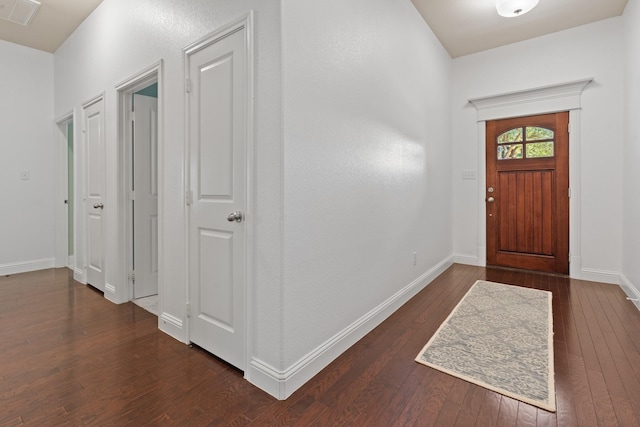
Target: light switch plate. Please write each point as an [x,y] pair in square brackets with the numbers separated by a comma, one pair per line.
[469,174]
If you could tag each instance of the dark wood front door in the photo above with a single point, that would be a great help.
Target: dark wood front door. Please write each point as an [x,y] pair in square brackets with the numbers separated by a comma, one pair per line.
[527,194]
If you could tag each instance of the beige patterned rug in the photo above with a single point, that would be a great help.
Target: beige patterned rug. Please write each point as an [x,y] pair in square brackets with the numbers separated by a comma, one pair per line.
[499,337]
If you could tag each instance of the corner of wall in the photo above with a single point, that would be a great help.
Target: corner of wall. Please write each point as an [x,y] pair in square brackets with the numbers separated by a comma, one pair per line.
[603,276]
[466,259]
[172,326]
[632,291]
[282,384]
[267,378]
[110,293]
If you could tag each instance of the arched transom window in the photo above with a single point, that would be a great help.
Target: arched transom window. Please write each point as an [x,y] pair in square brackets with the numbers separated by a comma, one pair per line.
[525,142]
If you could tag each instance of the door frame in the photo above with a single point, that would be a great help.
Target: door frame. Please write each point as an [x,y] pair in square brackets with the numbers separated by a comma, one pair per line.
[245,22]
[61,211]
[547,99]
[125,90]
[558,260]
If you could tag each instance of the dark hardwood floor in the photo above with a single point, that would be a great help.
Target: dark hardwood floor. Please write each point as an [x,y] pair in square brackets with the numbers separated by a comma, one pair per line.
[70,357]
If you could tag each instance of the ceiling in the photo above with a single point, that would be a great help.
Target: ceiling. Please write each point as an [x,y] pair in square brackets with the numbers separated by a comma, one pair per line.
[52,24]
[463,26]
[469,26]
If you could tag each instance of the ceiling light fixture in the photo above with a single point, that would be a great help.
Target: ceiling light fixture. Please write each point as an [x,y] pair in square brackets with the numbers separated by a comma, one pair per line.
[512,8]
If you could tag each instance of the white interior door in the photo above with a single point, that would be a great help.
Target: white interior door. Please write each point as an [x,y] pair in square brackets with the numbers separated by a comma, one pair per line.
[218,137]
[95,149]
[145,185]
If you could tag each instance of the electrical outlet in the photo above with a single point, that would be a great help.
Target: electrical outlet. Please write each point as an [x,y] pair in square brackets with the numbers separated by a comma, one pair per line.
[415,259]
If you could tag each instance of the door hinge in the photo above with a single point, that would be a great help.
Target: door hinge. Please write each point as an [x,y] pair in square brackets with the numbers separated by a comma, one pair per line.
[189,197]
[132,276]
[188,309]
[569,127]
[187,85]
[132,115]
[132,195]
[569,192]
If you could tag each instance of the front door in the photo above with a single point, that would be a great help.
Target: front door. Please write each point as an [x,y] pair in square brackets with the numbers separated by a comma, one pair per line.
[218,143]
[145,185]
[527,194]
[95,154]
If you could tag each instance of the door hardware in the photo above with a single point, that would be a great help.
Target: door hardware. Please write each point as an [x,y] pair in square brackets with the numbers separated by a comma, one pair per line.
[235,216]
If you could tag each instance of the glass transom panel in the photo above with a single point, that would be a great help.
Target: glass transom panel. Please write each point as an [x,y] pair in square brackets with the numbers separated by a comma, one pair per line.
[513,135]
[535,133]
[526,142]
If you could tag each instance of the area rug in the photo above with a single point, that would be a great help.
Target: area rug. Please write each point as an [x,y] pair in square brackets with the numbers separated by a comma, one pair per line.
[499,337]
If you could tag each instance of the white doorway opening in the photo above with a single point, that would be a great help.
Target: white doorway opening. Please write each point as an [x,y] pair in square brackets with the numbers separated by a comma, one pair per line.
[65,193]
[140,135]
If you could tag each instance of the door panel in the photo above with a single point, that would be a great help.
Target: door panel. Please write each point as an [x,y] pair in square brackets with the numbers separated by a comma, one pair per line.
[145,185]
[527,193]
[95,154]
[216,179]
[216,278]
[217,128]
[524,196]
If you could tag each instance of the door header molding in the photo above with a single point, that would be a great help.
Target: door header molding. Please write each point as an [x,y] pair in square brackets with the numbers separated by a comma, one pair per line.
[544,99]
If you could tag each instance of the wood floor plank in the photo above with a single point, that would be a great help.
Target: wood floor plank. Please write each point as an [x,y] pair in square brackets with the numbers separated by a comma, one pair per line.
[508,412]
[62,363]
[489,410]
[527,415]
[470,406]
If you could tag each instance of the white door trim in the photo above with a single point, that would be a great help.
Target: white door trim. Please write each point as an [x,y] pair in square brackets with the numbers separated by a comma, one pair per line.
[246,22]
[61,180]
[125,89]
[548,99]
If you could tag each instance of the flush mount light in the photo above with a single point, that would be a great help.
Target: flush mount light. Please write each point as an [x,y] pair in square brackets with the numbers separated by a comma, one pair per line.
[511,8]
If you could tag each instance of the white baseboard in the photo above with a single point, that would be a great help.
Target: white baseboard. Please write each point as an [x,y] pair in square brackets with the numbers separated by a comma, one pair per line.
[26,266]
[172,326]
[603,276]
[110,292]
[267,378]
[575,266]
[466,260]
[282,384]
[78,275]
[632,292]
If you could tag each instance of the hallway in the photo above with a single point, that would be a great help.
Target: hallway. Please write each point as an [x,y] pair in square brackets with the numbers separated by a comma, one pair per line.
[70,357]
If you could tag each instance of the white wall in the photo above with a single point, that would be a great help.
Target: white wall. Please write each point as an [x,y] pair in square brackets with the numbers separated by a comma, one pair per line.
[26,144]
[120,39]
[593,50]
[361,182]
[367,168]
[631,187]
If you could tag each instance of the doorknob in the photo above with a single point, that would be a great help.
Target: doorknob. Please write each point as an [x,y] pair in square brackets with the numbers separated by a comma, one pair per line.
[491,200]
[98,206]
[235,216]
